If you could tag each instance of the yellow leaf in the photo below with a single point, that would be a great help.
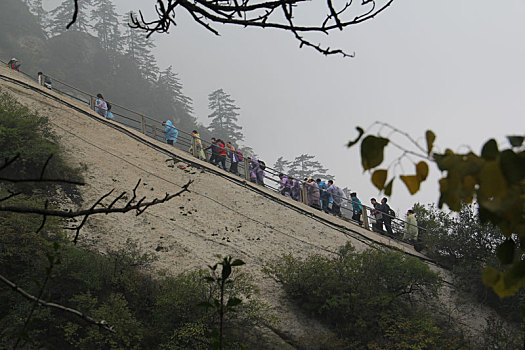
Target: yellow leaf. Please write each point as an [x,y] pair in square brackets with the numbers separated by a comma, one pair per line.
[490,276]
[422,170]
[492,183]
[431,137]
[388,188]
[412,182]
[379,178]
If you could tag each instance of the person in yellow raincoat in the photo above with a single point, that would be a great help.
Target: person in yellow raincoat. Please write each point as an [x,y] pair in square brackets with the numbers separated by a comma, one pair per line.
[198,145]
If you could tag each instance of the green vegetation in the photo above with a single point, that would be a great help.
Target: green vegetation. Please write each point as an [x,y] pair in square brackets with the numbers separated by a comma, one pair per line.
[28,134]
[144,312]
[372,300]
[465,245]
[494,179]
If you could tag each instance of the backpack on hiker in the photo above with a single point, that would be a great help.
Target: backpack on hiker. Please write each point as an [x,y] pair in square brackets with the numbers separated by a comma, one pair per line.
[262,164]
[391,213]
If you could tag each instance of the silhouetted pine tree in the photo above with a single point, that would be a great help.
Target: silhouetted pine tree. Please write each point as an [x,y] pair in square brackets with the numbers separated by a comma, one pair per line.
[281,165]
[224,117]
[42,16]
[169,81]
[305,166]
[138,48]
[105,24]
[63,14]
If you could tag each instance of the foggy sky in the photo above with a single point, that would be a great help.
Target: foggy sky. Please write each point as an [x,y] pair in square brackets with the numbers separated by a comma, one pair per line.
[455,67]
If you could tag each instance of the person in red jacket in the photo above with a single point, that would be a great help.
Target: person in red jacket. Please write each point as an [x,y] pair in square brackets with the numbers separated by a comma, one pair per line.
[222,153]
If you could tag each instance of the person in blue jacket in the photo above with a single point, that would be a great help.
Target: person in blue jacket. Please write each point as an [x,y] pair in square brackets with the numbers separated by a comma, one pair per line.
[357,207]
[325,196]
[170,131]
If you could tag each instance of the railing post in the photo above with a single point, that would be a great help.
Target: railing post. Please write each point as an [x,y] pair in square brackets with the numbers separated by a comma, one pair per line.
[365,218]
[154,131]
[246,169]
[143,124]
[42,80]
[305,194]
[92,102]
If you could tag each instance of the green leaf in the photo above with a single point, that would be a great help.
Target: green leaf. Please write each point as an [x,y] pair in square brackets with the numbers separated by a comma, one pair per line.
[430,137]
[388,188]
[422,170]
[204,304]
[372,149]
[379,178]
[505,252]
[237,262]
[512,166]
[490,150]
[226,272]
[361,132]
[233,302]
[412,182]
[516,141]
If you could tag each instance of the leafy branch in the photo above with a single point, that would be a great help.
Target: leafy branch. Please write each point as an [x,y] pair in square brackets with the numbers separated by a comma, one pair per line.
[495,179]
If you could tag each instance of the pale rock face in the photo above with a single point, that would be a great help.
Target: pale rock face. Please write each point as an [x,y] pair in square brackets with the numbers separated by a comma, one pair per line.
[218,217]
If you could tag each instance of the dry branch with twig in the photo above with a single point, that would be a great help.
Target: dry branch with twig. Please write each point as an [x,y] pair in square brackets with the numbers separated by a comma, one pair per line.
[277,14]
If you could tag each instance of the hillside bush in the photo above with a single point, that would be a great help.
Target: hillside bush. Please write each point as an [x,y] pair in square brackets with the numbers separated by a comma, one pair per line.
[29,135]
[376,299]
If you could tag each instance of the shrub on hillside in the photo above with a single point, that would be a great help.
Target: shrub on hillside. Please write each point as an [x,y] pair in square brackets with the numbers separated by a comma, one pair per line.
[28,134]
[371,299]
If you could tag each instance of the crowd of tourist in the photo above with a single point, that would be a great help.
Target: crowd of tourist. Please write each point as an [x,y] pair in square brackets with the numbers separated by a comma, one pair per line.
[324,196]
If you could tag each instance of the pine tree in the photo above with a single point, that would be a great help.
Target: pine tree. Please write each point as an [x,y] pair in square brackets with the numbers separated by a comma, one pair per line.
[281,165]
[63,14]
[169,81]
[224,117]
[105,24]
[40,13]
[305,166]
[138,47]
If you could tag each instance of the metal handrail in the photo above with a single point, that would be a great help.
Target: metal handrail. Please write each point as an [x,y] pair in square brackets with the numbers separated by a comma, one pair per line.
[188,141]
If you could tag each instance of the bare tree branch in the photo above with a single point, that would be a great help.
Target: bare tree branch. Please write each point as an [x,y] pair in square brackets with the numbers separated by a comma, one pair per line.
[75,14]
[8,162]
[276,14]
[139,207]
[28,296]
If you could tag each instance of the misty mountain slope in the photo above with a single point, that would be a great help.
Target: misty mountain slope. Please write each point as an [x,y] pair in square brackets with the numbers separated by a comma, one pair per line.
[216,218]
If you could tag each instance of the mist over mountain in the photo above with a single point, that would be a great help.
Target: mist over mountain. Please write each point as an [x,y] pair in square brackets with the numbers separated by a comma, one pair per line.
[123,70]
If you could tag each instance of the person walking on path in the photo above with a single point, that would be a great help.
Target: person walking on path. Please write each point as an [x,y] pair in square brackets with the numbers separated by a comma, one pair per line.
[387,216]
[101,107]
[221,154]
[295,189]
[357,208]
[256,171]
[196,140]
[325,196]
[285,187]
[411,231]
[337,197]
[234,158]
[14,64]
[312,191]
[378,226]
[214,158]
[171,132]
